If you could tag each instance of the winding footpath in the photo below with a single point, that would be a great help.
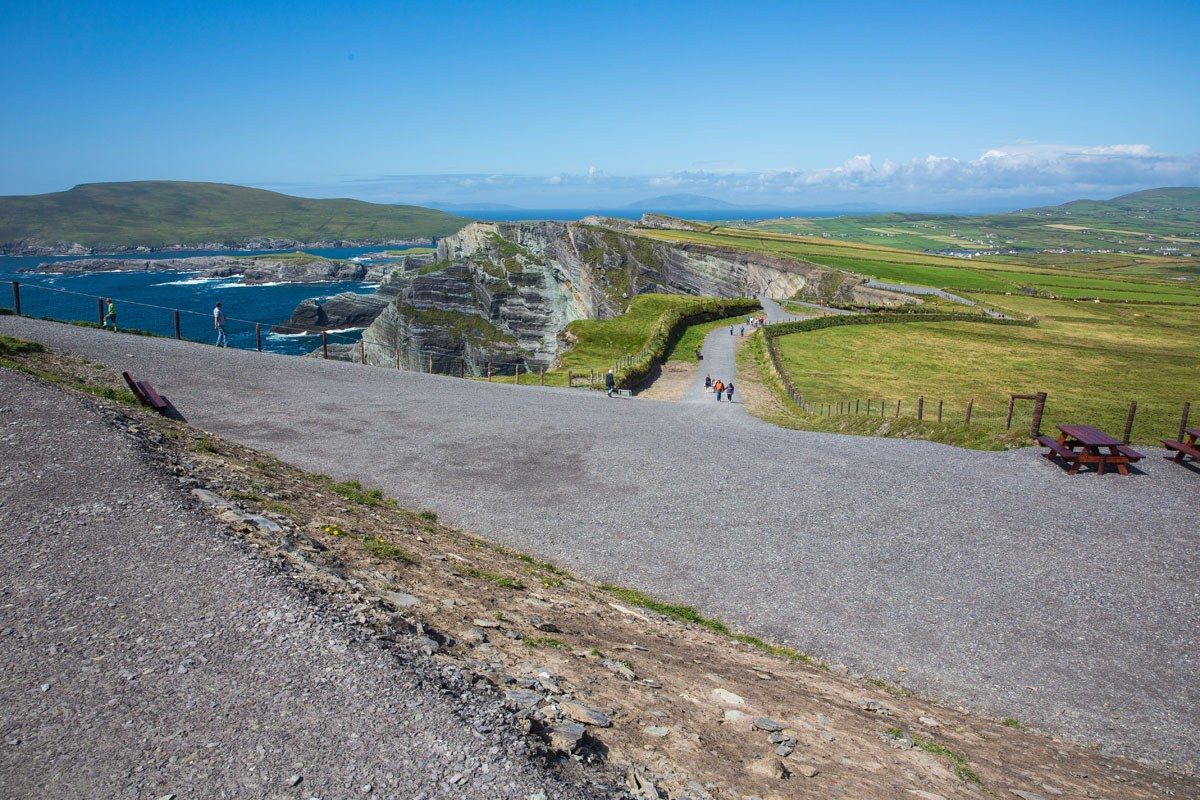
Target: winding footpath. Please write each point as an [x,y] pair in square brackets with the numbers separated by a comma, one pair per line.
[990,580]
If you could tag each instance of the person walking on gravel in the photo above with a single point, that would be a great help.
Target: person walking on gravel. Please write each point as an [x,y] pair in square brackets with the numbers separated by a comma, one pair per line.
[729,392]
[110,315]
[219,325]
[610,383]
[718,387]
[708,383]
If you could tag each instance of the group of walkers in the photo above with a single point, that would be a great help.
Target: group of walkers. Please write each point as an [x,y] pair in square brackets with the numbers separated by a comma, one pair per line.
[110,320]
[718,387]
[753,322]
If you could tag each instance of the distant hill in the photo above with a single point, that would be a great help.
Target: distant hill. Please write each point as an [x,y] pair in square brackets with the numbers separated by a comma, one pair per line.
[1168,210]
[122,216]
[680,202]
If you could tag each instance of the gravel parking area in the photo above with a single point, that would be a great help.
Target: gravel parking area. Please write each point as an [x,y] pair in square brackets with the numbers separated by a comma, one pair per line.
[143,655]
[990,580]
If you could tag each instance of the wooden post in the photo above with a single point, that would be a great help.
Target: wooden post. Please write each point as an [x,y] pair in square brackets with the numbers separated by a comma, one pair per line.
[856,402]
[431,364]
[881,409]
[16,297]
[517,374]
[100,310]
[1008,421]
[462,368]
[570,378]
[397,358]
[897,409]
[258,336]
[939,410]
[970,408]
[920,408]
[325,343]
[1187,407]
[1129,421]
[868,406]
[489,369]
[1039,408]
[178,332]
[543,377]
[592,380]
[362,352]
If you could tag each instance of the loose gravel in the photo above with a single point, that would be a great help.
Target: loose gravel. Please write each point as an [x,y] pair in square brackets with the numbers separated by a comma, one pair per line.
[144,655]
[990,580]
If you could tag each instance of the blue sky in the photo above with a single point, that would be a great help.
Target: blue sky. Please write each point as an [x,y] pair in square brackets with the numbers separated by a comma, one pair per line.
[559,105]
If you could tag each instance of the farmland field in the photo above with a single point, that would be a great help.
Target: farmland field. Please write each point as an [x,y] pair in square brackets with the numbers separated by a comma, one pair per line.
[1091,358]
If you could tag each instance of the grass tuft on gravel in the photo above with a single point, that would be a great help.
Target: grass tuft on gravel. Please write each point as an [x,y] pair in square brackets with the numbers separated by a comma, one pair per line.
[958,764]
[491,577]
[12,346]
[688,614]
[355,493]
[386,551]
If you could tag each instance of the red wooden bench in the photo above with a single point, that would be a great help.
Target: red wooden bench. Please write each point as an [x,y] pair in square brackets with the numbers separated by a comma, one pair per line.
[145,394]
[1184,449]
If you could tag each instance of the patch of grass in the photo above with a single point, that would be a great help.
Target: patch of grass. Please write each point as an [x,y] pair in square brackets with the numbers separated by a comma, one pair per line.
[546,641]
[690,615]
[892,689]
[491,577]
[355,493]
[386,551]
[1092,359]
[429,516]
[958,764]
[1012,722]
[204,446]
[11,346]
[110,393]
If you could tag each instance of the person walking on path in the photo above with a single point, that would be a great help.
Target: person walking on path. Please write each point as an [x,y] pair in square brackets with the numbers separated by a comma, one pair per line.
[110,315]
[731,330]
[708,383]
[219,325]
[718,387]
[610,382]
[743,330]
[729,392]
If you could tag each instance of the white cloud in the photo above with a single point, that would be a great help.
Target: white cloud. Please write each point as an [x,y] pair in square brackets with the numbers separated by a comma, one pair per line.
[1014,174]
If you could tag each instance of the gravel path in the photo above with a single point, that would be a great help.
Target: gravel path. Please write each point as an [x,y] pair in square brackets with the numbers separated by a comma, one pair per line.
[988,579]
[143,655]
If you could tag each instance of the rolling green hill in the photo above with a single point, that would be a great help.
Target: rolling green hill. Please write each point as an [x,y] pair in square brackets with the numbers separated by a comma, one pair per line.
[1153,233]
[159,213]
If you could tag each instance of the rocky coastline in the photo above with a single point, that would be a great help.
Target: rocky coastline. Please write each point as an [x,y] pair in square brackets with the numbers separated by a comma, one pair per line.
[37,247]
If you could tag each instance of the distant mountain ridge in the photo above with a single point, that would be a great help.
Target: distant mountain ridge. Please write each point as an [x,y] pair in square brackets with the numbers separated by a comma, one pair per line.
[679,202]
[116,217]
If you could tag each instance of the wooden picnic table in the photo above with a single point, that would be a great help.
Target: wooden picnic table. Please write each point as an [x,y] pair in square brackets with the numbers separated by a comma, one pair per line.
[1084,444]
[1188,447]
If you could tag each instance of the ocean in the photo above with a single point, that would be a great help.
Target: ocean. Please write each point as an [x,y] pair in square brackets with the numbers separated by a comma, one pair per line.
[146,300]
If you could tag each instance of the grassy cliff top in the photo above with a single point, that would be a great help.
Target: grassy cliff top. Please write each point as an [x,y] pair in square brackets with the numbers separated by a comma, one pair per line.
[158,213]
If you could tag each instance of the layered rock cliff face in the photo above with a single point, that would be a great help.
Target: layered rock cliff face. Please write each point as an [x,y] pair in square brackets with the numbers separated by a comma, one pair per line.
[505,291]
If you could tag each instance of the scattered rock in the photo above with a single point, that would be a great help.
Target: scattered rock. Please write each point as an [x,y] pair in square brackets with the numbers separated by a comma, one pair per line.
[566,735]
[767,724]
[485,623]
[542,624]
[521,699]
[873,706]
[657,731]
[809,771]
[399,599]
[585,714]
[929,722]
[295,780]
[619,668]
[733,715]
[785,749]
[769,767]
[639,785]
[729,697]
[1028,795]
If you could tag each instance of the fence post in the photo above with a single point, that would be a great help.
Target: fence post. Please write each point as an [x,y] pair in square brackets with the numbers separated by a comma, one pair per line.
[178,332]
[592,380]
[970,408]
[1039,407]
[856,402]
[570,378]
[489,369]
[868,406]
[100,310]
[362,352]
[897,409]
[517,374]
[462,368]
[258,336]
[542,378]
[1129,421]
[920,408]
[939,410]
[881,409]
[1187,407]
[1008,422]
[431,364]
[16,297]
[397,358]
[325,344]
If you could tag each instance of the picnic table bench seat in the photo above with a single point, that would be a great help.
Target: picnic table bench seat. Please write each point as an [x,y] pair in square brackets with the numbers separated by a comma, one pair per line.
[146,394]
[1184,449]
[1129,452]
[1053,446]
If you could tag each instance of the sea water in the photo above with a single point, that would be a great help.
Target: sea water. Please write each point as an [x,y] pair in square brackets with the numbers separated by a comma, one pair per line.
[146,300]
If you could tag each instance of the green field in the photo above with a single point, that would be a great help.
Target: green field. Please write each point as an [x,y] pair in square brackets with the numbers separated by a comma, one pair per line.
[1091,358]
[159,213]
[1155,233]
